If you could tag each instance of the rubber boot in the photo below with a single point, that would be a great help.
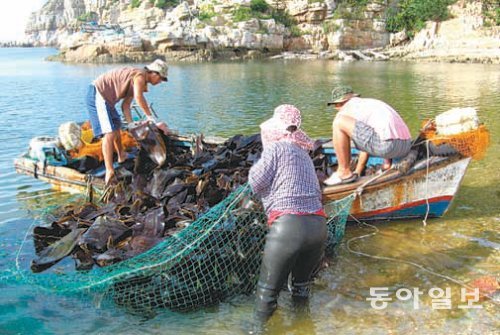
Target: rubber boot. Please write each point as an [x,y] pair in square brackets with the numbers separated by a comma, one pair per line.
[267,302]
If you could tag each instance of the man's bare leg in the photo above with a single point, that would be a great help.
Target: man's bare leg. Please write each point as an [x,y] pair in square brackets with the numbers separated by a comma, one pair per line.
[362,159]
[387,164]
[122,155]
[107,151]
[343,127]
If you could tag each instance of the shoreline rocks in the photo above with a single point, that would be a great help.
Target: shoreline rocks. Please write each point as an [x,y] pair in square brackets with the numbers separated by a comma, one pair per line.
[99,55]
[200,30]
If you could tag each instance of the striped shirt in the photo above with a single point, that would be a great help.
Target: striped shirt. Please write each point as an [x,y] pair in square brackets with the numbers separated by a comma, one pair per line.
[286,180]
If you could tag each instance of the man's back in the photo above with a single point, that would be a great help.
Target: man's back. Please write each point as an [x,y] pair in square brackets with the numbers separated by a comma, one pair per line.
[380,116]
[117,84]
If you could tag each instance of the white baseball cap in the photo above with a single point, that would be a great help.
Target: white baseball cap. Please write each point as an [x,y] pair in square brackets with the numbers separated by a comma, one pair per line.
[159,66]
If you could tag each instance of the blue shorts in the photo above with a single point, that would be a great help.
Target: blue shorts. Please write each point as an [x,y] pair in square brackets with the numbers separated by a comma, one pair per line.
[103,117]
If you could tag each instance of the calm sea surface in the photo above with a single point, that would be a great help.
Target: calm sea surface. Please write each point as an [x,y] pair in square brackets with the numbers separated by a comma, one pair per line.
[225,99]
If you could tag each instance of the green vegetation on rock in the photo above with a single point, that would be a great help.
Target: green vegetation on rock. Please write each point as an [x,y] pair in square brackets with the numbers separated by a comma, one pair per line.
[411,15]
[283,17]
[166,3]
[206,12]
[491,12]
[242,13]
[259,9]
[87,17]
[350,9]
[162,4]
[330,26]
[295,31]
[135,3]
[354,3]
[259,6]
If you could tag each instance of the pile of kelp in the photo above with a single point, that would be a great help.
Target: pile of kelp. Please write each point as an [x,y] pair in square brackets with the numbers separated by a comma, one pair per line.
[166,188]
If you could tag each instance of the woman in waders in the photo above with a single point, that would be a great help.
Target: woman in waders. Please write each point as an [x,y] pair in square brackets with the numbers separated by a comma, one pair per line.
[286,180]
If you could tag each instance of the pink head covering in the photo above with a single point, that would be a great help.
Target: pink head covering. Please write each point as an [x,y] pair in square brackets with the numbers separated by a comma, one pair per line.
[277,128]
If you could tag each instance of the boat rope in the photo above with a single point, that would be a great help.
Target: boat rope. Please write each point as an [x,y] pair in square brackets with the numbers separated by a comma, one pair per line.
[428,208]
[392,259]
[29,231]
[35,170]
[360,189]
[89,192]
[106,193]
[21,247]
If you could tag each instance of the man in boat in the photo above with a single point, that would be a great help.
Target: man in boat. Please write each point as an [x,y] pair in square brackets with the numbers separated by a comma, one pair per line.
[106,91]
[375,128]
[285,179]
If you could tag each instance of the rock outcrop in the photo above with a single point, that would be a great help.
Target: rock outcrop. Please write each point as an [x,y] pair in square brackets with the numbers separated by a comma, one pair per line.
[463,38]
[137,30]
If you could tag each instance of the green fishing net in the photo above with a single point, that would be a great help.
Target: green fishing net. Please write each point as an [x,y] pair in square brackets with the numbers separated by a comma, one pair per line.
[216,257]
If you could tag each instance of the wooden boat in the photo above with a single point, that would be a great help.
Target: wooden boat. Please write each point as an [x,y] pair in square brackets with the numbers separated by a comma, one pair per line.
[60,177]
[70,180]
[427,189]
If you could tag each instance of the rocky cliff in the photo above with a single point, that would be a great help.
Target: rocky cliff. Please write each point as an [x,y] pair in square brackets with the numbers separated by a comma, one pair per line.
[139,30]
[465,37]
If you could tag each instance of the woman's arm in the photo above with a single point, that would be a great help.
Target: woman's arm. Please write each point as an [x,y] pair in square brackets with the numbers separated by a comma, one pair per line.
[262,173]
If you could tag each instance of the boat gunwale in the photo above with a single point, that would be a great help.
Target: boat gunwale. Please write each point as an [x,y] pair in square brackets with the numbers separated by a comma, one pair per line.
[329,192]
[339,191]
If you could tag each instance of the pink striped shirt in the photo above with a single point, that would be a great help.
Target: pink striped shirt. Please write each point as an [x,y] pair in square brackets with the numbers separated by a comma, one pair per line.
[386,122]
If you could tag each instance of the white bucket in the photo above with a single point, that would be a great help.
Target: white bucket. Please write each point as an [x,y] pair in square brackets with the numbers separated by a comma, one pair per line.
[70,135]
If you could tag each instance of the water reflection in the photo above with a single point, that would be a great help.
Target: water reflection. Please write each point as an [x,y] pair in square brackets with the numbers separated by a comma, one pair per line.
[293,318]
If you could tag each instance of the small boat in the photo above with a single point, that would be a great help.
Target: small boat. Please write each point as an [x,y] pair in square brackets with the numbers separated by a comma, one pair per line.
[61,178]
[425,190]
[427,180]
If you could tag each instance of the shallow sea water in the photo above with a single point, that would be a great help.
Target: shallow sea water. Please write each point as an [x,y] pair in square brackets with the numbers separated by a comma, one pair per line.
[224,99]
